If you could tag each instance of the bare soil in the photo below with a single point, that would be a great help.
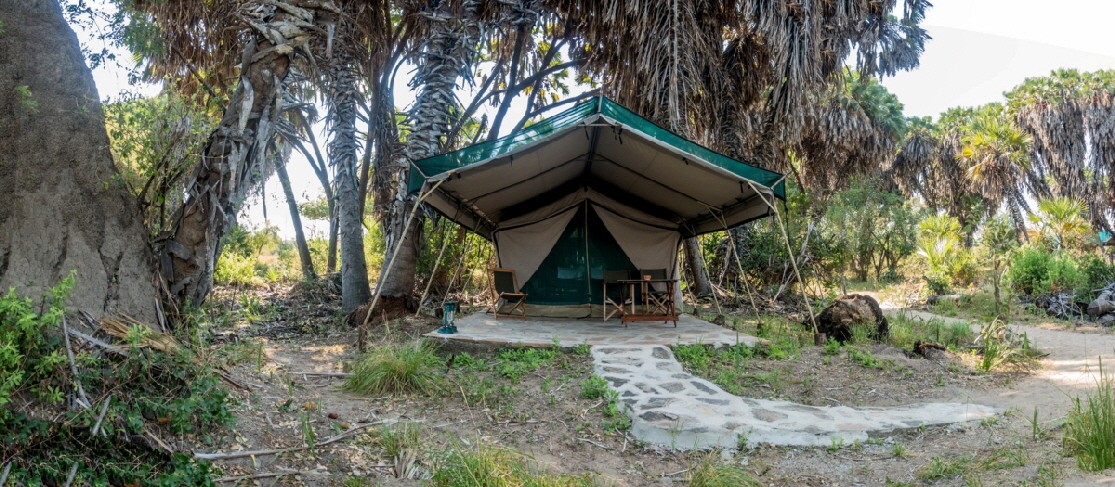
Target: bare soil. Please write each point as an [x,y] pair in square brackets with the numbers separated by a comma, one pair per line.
[543,414]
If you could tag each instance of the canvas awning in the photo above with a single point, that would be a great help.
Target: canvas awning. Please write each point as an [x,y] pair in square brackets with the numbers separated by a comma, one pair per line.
[601,146]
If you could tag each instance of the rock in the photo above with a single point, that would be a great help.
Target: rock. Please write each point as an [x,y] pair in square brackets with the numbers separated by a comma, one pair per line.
[1100,307]
[837,319]
[940,298]
[1106,320]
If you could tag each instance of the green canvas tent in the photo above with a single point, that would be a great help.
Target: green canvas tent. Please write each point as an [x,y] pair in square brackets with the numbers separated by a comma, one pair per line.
[591,189]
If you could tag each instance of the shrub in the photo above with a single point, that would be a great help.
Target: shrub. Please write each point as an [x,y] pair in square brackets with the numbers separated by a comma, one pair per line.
[1035,271]
[1096,274]
[396,369]
[142,386]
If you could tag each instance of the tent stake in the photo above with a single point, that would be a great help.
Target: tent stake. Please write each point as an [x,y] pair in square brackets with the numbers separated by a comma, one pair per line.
[363,333]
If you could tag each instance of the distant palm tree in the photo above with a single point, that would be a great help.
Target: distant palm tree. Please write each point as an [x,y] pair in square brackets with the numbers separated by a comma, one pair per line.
[1062,216]
[996,154]
[1069,116]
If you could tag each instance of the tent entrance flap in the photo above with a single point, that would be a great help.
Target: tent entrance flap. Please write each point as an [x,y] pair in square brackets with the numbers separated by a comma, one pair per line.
[572,273]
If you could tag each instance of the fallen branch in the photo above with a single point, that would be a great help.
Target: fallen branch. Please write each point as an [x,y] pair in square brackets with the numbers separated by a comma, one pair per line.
[4,474]
[249,453]
[101,417]
[259,476]
[83,400]
[601,445]
[324,374]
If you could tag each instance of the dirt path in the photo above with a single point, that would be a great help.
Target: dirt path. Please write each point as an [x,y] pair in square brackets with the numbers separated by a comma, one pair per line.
[1071,368]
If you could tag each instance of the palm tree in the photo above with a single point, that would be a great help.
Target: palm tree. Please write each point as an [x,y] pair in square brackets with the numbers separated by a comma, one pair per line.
[450,34]
[997,155]
[1063,217]
[1068,114]
[262,38]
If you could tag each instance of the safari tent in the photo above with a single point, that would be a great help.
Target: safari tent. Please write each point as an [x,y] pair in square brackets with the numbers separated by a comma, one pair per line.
[593,188]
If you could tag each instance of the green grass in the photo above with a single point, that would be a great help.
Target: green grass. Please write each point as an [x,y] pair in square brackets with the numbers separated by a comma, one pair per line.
[398,437]
[1090,426]
[492,466]
[396,369]
[945,467]
[707,471]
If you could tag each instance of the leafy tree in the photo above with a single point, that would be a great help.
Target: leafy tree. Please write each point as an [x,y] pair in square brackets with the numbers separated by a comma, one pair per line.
[878,228]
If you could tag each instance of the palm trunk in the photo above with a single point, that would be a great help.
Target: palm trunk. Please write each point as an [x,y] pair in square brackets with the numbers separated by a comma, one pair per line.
[446,56]
[233,160]
[296,219]
[693,257]
[342,153]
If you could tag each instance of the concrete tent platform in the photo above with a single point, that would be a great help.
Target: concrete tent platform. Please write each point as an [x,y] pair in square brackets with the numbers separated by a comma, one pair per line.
[483,328]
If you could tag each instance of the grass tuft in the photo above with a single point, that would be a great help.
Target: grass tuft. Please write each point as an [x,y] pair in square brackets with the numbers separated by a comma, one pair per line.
[396,369]
[492,466]
[706,471]
[1090,426]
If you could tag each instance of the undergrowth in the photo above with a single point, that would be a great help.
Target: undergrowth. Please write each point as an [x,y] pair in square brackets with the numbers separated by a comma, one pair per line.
[1090,426]
[143,392]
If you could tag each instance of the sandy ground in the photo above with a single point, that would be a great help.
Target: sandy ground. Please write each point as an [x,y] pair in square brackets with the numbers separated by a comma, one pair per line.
[1071,368]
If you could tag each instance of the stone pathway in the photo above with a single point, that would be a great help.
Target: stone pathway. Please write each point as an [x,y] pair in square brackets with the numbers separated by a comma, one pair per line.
[672,408]
[484,329]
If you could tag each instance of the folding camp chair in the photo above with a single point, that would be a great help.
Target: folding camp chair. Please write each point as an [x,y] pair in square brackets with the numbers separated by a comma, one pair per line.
[656,301]
[507,289]
[613,278]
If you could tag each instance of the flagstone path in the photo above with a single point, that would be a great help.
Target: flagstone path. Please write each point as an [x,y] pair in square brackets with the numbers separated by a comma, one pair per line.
[672,408]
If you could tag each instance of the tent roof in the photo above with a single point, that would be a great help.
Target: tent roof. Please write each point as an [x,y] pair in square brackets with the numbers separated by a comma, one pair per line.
[600,145]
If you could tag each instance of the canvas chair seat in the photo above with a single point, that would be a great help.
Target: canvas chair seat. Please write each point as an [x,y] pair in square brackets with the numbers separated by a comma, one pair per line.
[506,288]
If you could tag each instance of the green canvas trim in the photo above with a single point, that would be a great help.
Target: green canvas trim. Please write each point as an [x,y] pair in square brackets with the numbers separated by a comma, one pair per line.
[538,132]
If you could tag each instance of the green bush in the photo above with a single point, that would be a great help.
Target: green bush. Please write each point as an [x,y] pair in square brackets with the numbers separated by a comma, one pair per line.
[1096,274]
[144,388]
[1035,271]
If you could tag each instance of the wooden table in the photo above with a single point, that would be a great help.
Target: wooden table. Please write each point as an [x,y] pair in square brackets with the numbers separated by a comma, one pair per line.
[662,308]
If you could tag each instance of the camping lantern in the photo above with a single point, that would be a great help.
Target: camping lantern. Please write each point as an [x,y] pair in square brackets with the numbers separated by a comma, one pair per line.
[448,318]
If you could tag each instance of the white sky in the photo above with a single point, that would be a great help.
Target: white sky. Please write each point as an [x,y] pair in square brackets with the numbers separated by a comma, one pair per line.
[980,49]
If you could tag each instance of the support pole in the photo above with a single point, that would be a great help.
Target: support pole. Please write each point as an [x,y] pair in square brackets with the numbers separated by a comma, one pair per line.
[437,263]
[362,336]
[790,252]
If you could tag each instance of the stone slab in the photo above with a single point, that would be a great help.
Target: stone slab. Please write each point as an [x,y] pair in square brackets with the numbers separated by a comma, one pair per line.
[697,414]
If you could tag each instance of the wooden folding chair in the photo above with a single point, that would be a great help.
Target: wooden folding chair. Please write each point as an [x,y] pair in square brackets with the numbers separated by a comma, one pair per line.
[613,278]
[506,287]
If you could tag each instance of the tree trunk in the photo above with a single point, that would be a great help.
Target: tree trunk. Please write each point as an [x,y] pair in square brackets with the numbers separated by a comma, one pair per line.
[62,207]
[693,257]
[342,154]
[449,49]
[296,219]
[233,161]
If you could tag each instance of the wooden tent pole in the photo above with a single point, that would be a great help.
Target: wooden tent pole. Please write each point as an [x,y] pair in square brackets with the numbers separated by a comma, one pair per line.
[387,272]
[437,263]
[790,251]
[742,274]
